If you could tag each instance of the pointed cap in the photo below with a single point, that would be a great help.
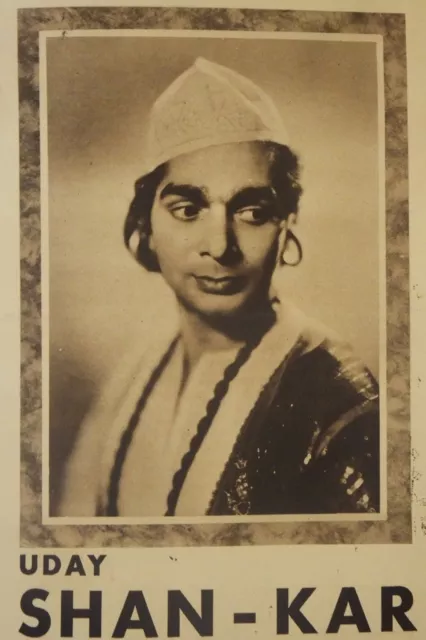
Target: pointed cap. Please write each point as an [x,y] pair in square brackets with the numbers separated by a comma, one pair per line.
[209,104]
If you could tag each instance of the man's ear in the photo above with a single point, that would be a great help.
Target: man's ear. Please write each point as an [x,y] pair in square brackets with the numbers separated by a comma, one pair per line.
[151,243]
[291,220]
[288,223]
[282,239]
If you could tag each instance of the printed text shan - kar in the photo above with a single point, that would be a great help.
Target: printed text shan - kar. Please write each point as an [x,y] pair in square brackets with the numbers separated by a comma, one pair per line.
[347,610]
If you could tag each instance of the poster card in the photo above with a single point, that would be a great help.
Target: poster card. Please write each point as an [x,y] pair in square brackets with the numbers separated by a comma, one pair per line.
[213,307]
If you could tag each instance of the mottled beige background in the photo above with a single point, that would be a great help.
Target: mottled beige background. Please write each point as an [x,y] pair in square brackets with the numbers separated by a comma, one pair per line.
[99,92]
[397,527]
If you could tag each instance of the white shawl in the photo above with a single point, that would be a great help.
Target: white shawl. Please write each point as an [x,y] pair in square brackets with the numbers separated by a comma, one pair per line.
[163,434]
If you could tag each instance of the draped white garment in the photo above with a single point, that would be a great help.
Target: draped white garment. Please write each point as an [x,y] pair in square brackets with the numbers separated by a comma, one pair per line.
[164,433]
[168,423]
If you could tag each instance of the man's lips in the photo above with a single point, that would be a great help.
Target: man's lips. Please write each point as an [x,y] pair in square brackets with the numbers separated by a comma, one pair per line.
[217,278]
[225,285]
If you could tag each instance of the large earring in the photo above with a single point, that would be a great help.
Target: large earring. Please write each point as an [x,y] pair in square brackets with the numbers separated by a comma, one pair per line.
[291,239]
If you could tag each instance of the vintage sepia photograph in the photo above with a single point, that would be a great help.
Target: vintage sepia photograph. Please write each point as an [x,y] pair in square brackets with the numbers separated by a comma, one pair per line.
[247,404]
[214,219]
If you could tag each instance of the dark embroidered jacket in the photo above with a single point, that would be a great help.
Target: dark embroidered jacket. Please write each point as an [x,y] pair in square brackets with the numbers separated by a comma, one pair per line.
[311,444]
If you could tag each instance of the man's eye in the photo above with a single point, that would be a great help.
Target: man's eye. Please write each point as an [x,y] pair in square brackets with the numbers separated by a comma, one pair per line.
[184,211]
[255,215]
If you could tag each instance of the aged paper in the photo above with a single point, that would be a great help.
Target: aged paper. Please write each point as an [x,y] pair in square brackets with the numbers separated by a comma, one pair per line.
[216,554]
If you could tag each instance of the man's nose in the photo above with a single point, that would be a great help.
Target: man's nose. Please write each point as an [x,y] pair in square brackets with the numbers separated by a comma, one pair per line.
[218,232]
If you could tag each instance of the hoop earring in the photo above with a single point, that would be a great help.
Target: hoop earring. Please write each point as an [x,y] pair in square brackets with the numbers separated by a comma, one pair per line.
[291,238]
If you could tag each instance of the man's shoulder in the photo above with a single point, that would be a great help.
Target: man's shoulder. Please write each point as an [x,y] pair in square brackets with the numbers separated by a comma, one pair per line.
[324,360]
[338,362]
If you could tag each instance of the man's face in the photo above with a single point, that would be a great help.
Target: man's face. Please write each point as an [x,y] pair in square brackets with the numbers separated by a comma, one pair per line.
[215,228]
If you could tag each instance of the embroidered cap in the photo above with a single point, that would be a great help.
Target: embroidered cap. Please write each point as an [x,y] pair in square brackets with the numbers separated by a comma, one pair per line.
[209,104]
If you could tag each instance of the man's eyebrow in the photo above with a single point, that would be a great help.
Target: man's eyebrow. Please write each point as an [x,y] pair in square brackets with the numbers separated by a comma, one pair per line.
[243,198]
[187,191]
[252,195]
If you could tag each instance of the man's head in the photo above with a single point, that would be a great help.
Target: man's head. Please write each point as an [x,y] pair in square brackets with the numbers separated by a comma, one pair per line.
[210,216]
[214,214]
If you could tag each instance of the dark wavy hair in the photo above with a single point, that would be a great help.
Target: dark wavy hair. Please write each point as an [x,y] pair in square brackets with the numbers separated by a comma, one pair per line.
[285,179]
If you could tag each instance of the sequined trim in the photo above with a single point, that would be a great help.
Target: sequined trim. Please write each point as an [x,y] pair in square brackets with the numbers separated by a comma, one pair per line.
[349,416]
[352,369]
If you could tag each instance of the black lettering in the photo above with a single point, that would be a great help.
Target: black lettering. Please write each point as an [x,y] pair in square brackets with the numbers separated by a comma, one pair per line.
[75,566]
[41,615]
[69,614]
[398,611]
[23,564]
[348,597]
[177,603]
[135,602]
[48,568]
[96,561]
[287,610]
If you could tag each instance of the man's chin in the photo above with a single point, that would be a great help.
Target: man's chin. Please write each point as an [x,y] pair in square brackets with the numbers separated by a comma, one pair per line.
[220,312]
[215,308]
